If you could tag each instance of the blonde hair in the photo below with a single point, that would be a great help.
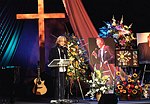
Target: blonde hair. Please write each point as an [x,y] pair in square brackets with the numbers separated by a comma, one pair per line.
[59,39]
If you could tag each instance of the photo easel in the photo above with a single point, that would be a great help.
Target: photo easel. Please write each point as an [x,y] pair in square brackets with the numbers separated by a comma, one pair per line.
[144,71]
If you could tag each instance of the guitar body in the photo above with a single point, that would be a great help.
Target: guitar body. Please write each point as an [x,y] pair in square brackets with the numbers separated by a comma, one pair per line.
[39,87]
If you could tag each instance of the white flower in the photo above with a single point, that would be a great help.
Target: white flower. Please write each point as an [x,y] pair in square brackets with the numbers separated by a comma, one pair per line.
[96,80]
[70,45]
[98,83]
[97,90]
[90,81]
[80,51]
[118,82]
[93,85]
[71,66]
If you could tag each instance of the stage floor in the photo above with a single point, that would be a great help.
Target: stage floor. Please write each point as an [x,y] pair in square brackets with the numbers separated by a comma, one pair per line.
[48,101]
[89,102]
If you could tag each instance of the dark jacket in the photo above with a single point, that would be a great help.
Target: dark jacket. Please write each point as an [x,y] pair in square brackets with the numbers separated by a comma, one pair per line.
[144,50]
[54,54]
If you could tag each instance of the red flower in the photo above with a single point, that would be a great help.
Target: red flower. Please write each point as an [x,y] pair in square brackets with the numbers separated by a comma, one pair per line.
[116,90]
[124,82]
[141,89]
[129,91]
[132,86]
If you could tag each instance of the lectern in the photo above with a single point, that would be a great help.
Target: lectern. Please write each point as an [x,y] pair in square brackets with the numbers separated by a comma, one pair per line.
[61,64]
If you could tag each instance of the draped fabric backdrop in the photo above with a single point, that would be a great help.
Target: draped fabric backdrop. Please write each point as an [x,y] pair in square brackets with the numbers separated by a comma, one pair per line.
[79,20]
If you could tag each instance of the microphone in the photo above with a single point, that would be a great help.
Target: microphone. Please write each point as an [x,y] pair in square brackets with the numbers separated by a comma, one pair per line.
[62,48]
[95,49]
[65,47]
[94,52]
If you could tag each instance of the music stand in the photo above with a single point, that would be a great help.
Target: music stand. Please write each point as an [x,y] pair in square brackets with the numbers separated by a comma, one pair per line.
[60,63]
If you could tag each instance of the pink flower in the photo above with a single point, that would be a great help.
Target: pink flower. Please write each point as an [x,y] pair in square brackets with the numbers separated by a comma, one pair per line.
[122,42]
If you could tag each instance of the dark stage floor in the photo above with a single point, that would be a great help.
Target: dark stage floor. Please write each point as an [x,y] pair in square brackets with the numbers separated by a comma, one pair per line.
[86,102]
[48,101]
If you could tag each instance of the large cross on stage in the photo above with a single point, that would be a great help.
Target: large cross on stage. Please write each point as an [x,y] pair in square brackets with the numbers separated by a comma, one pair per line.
[41,16]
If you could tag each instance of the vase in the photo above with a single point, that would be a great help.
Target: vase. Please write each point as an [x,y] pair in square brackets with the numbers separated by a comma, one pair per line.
[98,96]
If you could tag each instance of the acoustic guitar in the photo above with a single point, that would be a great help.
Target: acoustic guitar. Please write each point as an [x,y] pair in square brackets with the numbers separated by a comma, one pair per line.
[39,86]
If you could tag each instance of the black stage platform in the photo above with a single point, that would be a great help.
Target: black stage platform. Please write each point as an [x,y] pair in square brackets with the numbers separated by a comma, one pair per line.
[47,101]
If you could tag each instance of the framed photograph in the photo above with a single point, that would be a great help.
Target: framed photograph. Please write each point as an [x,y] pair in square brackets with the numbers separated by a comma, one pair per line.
[126,58]
[93,46]
[143,40]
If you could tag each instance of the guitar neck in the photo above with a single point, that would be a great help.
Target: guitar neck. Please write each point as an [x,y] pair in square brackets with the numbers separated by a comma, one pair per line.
[39,72]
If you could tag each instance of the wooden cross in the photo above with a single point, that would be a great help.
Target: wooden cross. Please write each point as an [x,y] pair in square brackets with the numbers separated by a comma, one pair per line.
[41,16]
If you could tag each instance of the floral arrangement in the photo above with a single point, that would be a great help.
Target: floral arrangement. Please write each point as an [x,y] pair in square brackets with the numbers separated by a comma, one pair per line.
[98,83]
[121,33]
[78,70]
[78,56]
[129,86]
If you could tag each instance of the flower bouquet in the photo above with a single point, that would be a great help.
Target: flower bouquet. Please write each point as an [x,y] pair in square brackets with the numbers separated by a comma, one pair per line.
[97,84]
[121,33]
[128,88]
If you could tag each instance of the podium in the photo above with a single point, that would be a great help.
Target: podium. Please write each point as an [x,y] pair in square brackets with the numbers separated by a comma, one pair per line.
[61,64]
